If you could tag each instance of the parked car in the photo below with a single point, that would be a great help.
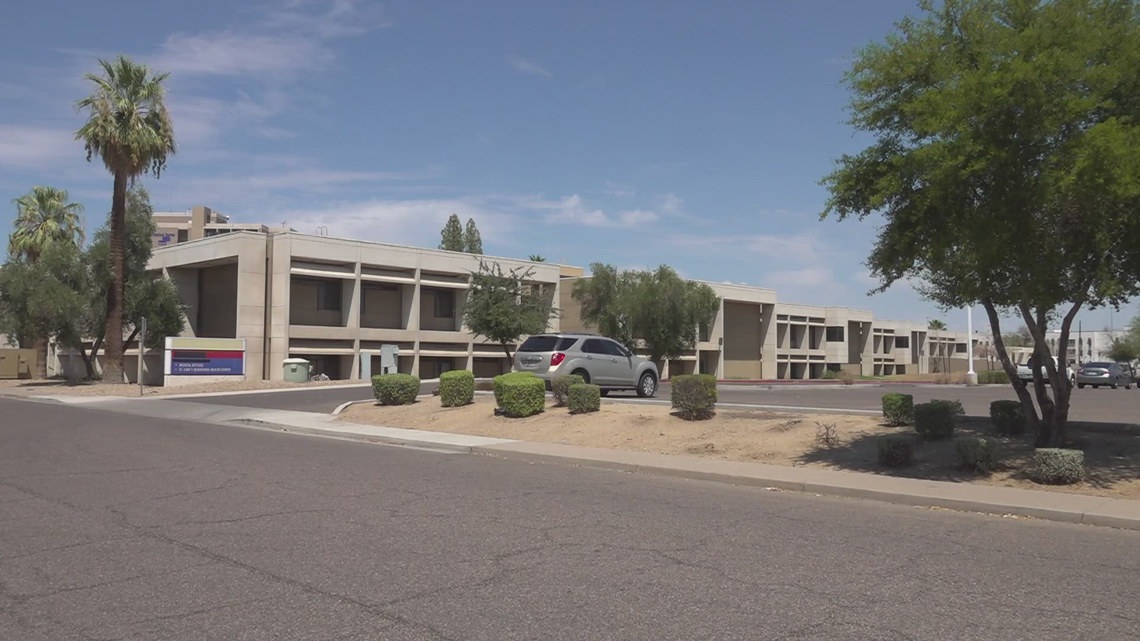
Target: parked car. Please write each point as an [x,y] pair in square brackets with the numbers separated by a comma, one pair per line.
[597,359]
[1025,371]
[1099,373]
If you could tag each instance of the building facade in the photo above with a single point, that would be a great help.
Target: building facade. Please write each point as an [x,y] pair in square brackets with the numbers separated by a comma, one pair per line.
[338,302]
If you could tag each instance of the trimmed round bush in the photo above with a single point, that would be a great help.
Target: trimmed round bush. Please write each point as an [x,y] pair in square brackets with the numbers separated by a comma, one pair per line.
[694,396]
[896,450]
[1007,417]
[978,453]
[584,398]
[934,420]
[1057,466]
[560,386]
[898,409]
[520,394]
[395,389]
[456,388]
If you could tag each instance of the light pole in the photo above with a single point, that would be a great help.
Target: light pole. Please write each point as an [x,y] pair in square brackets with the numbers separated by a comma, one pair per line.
[971,376]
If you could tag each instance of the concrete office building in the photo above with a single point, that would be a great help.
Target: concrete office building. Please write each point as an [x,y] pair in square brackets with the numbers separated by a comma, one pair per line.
[336,301]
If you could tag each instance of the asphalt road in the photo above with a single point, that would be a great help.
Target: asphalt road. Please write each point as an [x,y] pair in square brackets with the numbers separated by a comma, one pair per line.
[1100,405]
[117,527]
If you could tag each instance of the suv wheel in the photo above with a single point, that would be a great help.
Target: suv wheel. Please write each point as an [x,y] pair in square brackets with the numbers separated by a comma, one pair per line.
[583,373]
[647,385]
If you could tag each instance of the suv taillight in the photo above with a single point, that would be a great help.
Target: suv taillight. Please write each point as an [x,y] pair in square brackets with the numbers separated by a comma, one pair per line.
[556,358]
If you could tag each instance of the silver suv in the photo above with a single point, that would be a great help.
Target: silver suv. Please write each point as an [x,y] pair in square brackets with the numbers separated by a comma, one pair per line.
[597,359]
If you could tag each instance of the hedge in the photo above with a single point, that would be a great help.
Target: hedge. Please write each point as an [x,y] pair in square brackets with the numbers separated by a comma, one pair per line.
[694,396]
[395,389]
[520,394]
[456,388]
[584,398]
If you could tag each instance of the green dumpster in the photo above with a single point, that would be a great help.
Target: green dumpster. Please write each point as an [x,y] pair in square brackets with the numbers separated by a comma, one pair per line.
[296,370]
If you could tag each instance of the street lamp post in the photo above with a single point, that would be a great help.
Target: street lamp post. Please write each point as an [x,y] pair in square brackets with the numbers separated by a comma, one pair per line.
[971,376]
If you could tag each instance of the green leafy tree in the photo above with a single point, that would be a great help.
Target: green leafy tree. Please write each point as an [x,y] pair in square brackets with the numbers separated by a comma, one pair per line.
[44,216]
[148,295]
[502,306]
[472,241]
[129,128]
[537,258]
[43,299]
[1005,166]
[936,325]
[452,235]
[1124,349]
[657,307]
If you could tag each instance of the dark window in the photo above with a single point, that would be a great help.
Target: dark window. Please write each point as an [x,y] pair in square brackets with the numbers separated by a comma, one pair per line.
[960,348]
[613,349]
[835,334]
[547,344]
[902,342]
[593,346]
[444,304]
[328,296]
[183,235]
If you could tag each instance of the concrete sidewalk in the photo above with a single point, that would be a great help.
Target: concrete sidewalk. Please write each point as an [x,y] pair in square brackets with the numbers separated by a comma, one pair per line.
[1054,506]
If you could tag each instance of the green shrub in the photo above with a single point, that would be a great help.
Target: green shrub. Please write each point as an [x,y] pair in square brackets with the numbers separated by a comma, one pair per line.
[830,374]
[456,388]
[584,398]
[896,450]
[520,394]
[694,396]
[934,420]
[1007,417]
[1057,466]
[954,407]
[978,453]
[395,389]
[561,387]
[993,377]
[898,409]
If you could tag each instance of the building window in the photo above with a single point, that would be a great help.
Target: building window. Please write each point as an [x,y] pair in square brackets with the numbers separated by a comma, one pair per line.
[835,334]
[328,296]
[960,348]
[183,235]
[902,342]
[444,304]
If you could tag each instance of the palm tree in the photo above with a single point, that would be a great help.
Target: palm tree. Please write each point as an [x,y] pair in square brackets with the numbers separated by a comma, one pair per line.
[129,128]
[936,325]
[43,217]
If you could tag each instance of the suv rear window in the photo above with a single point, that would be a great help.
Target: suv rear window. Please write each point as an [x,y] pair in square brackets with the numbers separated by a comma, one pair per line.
[546,344]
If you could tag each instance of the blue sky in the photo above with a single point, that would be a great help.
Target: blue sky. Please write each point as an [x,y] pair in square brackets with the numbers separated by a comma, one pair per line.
[633,133]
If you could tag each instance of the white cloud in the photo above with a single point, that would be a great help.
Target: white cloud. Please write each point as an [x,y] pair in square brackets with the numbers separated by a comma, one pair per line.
[528,66]
[227,53]
[814,277]
[672,204]
[34,147]
[572,210]
[410,222]
[797,248]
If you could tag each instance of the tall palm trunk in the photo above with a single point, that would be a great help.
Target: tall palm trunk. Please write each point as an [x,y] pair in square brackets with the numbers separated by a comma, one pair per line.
[113,350]
[41,347]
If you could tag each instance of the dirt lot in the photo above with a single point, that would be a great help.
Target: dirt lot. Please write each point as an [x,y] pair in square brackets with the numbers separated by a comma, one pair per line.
[1112,453]
[53,387]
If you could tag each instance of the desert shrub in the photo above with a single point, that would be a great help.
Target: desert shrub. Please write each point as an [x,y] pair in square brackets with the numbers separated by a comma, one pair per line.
[694,396]
[898,409]
[561,387]
[896,450]
[993,377]
[456,388]
[1007,417]
[826,435]
[847,377]
[830,374]
[395,389]
[954,407]
[584,398]
[934,420]
[1056,466]
[520,394]
[978,453]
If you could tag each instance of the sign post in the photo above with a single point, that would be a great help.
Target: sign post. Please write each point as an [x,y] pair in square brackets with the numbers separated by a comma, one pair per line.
[142,346]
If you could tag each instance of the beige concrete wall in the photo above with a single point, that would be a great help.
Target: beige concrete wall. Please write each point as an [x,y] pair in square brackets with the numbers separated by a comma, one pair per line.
[383,306]
[428,319]
[743,340]
[303,307]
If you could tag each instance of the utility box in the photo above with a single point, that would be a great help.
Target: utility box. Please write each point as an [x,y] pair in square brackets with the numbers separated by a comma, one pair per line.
[389,359]
[296,370]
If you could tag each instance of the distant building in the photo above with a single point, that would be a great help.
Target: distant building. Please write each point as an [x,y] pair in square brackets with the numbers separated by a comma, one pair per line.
[199,222]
